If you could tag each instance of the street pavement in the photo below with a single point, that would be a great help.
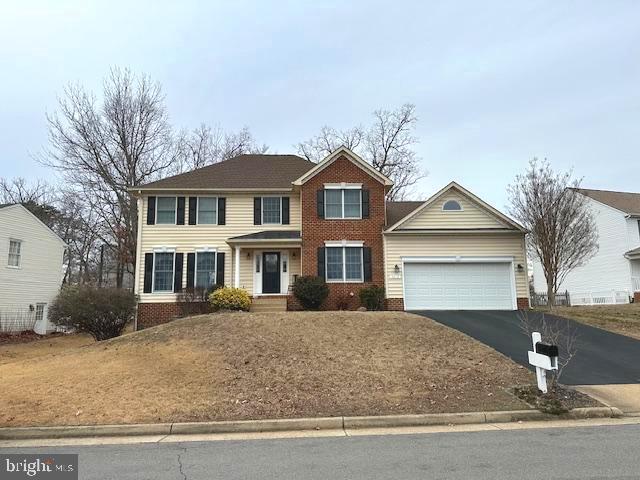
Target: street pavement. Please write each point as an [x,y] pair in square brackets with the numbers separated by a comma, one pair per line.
[598,452]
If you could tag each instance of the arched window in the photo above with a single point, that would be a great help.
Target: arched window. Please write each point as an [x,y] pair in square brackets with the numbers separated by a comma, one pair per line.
[451,206]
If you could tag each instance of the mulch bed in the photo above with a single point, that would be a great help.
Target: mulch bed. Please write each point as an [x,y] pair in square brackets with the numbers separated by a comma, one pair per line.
[559,400]
[22,337]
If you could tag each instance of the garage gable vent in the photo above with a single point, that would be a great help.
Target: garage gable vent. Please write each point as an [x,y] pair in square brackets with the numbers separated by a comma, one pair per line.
[452,206]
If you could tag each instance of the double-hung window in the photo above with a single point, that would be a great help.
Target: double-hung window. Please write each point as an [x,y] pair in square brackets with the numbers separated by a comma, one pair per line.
[343,203]
[40,311]
[166,210]
[205,269]
[163,264]
[271,210]
[15,253]
[207,210]
[344,264]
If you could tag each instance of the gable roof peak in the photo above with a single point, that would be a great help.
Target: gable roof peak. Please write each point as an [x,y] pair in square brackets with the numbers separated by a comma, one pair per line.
[350,155]
[494,211]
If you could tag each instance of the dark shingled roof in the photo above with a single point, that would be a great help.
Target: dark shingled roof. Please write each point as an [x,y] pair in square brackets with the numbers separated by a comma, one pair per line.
[270,235]
[251,171]
[626,202]
[396,211]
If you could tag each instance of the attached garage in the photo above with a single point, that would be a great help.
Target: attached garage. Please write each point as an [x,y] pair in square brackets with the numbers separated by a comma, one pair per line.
[478,284]
[454,252]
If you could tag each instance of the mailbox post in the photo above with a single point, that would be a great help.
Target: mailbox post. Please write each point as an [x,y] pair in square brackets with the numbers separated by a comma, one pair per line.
[544,357]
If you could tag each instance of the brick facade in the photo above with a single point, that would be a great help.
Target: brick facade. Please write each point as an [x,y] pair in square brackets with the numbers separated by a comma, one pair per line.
[636,297]
[394,304]
[523,303]
[315,231]
[152,314]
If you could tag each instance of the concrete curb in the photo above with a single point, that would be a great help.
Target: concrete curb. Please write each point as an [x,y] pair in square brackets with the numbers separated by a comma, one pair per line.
[291,424]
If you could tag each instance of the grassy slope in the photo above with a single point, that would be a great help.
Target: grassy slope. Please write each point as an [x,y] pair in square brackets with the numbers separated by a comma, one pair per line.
[622,319]
[241,366]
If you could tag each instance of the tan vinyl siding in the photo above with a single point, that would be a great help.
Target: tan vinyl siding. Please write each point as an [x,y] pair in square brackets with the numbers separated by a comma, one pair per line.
[471,216]
[471,245]
[188,238]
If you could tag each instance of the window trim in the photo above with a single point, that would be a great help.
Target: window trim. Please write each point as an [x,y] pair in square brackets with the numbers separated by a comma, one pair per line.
[198,210]
[215,264]
[342,190]
[262,222]
[343,246]
[44,307]
[173,271]
[175,210]
[19,242]
[454,211]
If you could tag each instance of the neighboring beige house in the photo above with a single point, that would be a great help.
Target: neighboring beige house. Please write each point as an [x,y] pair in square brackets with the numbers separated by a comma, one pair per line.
[258,221]
[31,271]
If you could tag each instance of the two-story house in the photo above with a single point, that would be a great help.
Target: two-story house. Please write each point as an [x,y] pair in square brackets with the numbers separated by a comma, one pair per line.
[258,221]
[613,274]
[31,271]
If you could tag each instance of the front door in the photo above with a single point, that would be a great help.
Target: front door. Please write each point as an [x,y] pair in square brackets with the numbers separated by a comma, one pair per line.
[271,272]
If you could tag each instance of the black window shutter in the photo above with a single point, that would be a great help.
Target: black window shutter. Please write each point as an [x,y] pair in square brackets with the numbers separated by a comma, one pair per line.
[193,210]
[366,260]
[191,270]
[222,211]
[151,210]
[148,272]
[177,275]
[320,203]
[321,272]
[220,269]
[285,210]
[180,214]
[257,210]
[365,203]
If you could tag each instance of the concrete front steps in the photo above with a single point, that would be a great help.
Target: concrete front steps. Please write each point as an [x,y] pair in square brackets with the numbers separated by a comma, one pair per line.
[269,304]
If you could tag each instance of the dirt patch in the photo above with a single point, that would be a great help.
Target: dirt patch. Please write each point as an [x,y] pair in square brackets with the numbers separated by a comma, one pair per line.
[557,401]
[248,366]
[622,319]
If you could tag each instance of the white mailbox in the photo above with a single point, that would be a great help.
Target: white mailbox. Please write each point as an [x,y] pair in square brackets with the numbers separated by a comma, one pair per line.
[544,357]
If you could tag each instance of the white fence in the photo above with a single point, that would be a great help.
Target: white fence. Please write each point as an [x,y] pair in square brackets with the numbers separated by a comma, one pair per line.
[603,297]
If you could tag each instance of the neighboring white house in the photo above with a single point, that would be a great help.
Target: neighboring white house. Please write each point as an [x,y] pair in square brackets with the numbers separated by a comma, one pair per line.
[613,274]
[31,266]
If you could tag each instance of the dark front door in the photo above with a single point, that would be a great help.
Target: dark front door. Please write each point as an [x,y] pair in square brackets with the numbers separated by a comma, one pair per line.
[271,272]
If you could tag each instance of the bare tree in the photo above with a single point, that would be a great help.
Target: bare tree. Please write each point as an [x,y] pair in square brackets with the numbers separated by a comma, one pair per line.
[103,149]
[206,145]
[388,145]
[38,197]
[562,231]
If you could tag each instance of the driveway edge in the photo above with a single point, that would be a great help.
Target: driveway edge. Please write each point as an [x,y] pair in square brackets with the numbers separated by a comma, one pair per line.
[292,424]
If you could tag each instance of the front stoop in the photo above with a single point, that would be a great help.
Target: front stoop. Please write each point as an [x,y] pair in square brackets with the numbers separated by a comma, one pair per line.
[269,304]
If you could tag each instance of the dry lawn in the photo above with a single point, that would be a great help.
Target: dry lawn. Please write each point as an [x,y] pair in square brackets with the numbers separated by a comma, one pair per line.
[622,319]
[248,366]
[49,345]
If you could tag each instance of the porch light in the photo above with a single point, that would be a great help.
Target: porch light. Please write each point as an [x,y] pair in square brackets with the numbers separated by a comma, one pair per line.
[520,268]
[248,255]
[396,269]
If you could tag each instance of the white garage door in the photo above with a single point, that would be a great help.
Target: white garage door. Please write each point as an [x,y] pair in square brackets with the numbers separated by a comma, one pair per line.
[458,286]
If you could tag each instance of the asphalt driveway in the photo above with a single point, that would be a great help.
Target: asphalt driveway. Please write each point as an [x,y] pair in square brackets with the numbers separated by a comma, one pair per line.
[602,357]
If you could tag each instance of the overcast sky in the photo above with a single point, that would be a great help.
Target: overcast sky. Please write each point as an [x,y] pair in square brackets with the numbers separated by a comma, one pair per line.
[494,83]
